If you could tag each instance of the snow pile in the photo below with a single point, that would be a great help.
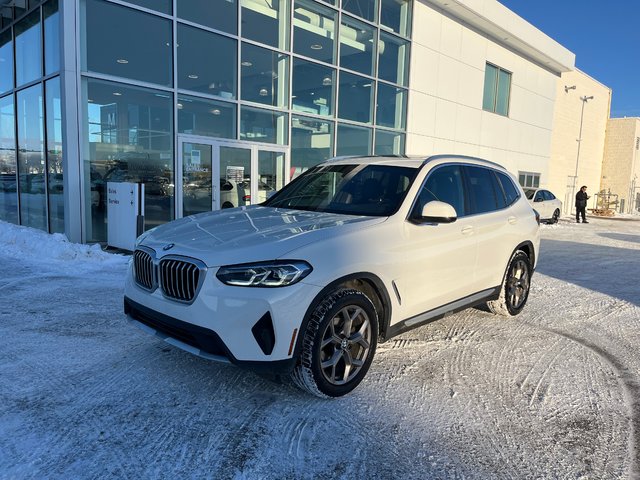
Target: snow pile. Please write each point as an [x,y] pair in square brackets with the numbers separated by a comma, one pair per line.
[19,242]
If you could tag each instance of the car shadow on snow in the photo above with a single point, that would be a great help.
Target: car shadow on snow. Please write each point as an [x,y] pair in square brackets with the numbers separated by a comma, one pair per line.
[625,237]
[605,269]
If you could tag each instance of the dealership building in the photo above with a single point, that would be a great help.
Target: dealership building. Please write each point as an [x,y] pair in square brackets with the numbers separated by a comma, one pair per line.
[216,103]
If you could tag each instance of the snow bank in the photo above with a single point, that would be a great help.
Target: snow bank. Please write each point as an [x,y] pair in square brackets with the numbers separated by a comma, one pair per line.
[18,242]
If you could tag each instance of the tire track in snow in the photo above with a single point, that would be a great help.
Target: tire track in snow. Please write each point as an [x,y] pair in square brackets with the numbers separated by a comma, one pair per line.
[631,388]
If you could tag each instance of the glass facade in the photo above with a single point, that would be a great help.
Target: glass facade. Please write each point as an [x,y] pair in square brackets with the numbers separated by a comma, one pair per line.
[313,78]
[31,121]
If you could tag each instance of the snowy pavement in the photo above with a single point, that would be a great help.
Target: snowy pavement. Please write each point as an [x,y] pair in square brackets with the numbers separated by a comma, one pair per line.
[552,393]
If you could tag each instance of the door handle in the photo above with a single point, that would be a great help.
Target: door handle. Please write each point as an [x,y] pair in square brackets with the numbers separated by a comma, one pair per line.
[467,230]
[512,220]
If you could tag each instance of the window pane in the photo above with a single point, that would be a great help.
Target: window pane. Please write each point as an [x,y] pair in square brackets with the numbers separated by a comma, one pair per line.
[31,158]
[141,49]
[8,175]
[209,118]
[162,6]
[207,62]
[6,61]
[444,185]
[235,177]
[271,174]
[129,138]
[353,140]
[389,143]
[536,181]
[221,16]
[509,188]
[52,45]
[265,76]
[266,22]
[362,8]
[394,55]
[196,178]
[356,98]
[357,41]
[396,14]
[504,87]
[54,155]
[392,106]
[311,142]
[314,31]
[482,197]
[28,49]
[263,126]
[490,83]
[312,87]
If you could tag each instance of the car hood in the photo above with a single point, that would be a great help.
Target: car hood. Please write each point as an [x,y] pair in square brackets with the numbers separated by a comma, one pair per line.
[249,234]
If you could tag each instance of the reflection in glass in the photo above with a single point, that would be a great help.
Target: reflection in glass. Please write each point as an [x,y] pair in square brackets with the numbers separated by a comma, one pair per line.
[54,155]
[363,8]
[196,178]
[265,126]
[271,174]
[504,89]
[266,22]
[162,6]
[396,14]
[52,45]
[235,177]
[207,62]
[314,31]
[28,49]
[312,87]
[356,98]
[389,143]
[8,174]
[311,142]
[209,118]
[31,169]
[265,76]
[129,139]
[392,106]
[353,140]
[223,17]
[393,59]
[357,46]
[141,49]
[6,61]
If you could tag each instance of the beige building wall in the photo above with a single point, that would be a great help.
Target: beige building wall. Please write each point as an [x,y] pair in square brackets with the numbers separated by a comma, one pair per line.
[621,165]
[452,42]
[575,109]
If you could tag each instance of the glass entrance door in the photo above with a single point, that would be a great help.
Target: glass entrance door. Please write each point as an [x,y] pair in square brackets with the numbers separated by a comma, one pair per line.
[216,174]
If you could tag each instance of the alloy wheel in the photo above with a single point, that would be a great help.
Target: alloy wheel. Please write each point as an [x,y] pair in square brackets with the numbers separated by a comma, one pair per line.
[518,284]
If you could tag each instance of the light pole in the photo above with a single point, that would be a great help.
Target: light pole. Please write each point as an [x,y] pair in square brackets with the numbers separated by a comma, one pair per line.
[584,99]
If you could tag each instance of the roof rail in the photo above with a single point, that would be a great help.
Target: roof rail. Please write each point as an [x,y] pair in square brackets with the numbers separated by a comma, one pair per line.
[461,157]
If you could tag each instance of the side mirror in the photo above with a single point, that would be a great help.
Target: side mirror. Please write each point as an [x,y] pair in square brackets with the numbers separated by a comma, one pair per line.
[438,212]
[538,199]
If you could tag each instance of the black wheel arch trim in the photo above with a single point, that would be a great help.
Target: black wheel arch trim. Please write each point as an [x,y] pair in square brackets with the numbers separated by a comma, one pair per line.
[384,317]
[532,256]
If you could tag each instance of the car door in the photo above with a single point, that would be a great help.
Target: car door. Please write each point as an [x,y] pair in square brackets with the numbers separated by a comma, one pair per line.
[437,259]
[540,204]
[495,225]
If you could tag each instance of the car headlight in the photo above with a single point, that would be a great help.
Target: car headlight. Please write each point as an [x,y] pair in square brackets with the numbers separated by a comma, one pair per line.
[279,273]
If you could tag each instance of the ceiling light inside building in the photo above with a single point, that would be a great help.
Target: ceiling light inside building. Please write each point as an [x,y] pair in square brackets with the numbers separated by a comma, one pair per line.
[117,94]
[246,64]
[264,92]
[122,61]
[327,81]
[215,111]
[316,46]
[193,77]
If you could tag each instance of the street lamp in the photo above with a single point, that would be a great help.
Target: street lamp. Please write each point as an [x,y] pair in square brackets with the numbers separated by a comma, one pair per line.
[584,99]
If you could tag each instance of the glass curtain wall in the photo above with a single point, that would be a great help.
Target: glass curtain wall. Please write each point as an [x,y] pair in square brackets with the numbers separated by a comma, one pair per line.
[321,77]
[31,160]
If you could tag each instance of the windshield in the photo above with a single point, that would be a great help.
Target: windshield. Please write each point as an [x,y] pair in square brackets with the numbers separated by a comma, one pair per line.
[372,190]
[529,193]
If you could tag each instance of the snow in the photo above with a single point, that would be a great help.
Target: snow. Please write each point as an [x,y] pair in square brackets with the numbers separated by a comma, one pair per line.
[552,393]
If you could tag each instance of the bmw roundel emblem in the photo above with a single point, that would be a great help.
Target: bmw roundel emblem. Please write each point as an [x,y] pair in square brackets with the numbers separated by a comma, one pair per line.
[169,246]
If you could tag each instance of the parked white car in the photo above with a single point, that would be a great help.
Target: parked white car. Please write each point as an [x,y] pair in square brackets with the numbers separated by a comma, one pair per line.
[353,252]
[545,203]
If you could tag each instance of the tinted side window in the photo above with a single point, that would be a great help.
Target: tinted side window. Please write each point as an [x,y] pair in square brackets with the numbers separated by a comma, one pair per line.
[539,197]
[509,189]
[445,185]
[481,194]
[500,195]
[548,195]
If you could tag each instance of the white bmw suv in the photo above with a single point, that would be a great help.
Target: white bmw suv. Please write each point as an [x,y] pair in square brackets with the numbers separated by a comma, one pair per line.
[349,254]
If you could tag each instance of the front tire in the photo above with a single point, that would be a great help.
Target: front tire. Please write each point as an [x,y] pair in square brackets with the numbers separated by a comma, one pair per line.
[515,286]
[338,345]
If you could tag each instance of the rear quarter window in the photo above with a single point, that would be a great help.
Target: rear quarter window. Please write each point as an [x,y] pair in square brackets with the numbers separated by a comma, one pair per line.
[510,190]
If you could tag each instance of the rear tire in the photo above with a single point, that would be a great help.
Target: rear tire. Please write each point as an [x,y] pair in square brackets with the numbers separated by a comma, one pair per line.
[555,217]
[338,345]
[515,286]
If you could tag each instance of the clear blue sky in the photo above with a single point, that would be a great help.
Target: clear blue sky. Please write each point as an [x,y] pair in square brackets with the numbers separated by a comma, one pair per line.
[604,35]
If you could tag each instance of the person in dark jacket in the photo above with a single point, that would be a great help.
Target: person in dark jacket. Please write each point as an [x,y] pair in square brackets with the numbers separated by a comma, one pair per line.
[581,204]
